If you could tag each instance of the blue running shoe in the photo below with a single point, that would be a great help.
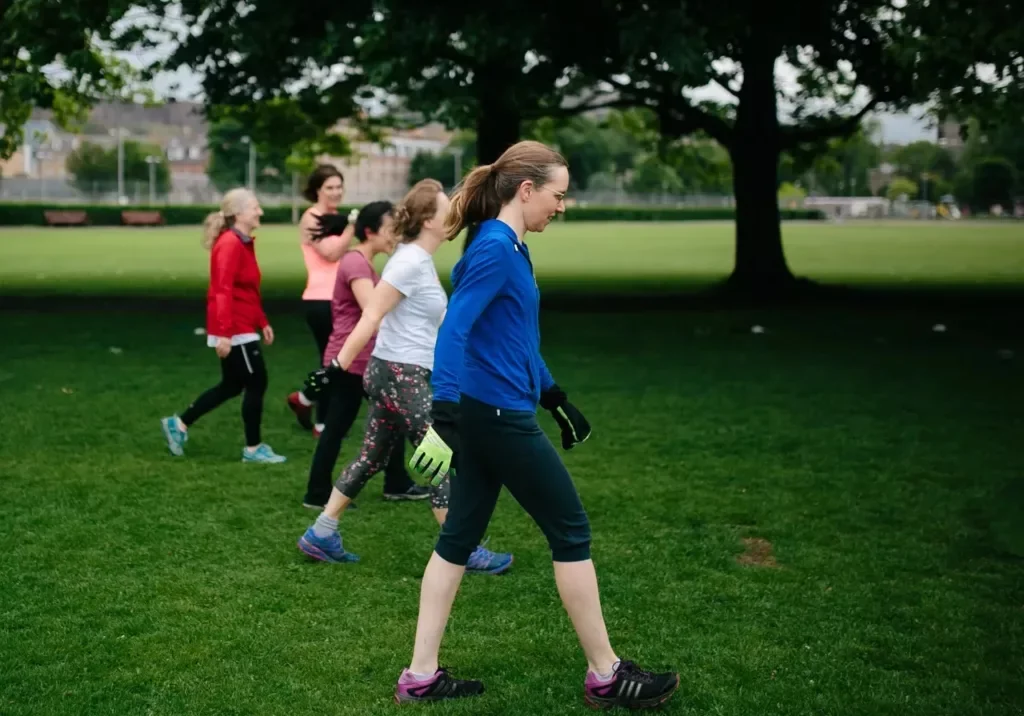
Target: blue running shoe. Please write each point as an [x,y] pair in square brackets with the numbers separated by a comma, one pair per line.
[484,561]
[176,437]
[326,549]
[262,453]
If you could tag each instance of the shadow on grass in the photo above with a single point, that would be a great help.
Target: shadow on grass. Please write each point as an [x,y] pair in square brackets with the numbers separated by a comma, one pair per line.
[600,295]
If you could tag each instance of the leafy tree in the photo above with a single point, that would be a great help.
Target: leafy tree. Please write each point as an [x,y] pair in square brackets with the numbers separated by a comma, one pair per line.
[930,165]
[900,187]
[652,176]
[285,138]
[426,165]
[699,164]
[994,183]
[38,33]
[466,66]
[791,193]
[849,56]
[1002,139]
[591,146]
[94,168]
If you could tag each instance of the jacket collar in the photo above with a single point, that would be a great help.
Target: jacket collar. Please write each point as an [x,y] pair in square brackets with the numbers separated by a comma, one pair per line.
[244,238]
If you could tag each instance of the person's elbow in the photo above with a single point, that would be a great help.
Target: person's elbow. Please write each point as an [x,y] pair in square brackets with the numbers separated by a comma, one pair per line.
[331,252]
[371,319]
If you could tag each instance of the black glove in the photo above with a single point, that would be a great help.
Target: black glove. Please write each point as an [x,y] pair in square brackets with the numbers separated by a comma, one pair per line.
[445,421]
[318,380]
[329,225]
[575,428]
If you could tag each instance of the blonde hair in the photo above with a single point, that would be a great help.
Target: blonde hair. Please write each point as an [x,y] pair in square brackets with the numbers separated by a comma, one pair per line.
[231,206]
[481,195]
[417,207]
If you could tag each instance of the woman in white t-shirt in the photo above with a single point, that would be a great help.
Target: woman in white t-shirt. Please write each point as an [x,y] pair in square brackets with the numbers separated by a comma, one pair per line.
[405,310]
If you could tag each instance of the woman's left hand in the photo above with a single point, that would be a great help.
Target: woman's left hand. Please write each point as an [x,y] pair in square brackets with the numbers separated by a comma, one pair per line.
[268,335]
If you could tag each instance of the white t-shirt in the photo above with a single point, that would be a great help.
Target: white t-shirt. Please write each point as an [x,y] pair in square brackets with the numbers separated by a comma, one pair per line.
[408,333]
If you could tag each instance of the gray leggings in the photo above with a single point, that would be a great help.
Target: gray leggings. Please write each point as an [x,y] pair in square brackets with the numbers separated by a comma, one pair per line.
[400,401]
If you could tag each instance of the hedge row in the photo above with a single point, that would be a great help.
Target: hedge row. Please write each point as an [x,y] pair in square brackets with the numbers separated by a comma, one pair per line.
[110,215]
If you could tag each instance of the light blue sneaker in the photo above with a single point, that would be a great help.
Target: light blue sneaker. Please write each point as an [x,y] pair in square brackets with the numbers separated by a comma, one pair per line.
[484,561]
[262,453]
[176,437]
[326,549]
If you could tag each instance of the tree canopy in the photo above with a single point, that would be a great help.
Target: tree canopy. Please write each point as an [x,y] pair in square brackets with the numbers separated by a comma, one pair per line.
[847,57]
[790,82]
[49,59]
[94,168]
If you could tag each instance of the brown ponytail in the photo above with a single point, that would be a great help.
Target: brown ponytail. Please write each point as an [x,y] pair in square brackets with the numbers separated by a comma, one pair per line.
[481,195]
[474,200]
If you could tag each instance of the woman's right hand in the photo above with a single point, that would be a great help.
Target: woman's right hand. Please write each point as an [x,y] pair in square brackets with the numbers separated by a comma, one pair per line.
[223,347]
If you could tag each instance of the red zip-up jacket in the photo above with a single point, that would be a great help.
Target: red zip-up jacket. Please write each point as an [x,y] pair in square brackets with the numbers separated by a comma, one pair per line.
[233,302]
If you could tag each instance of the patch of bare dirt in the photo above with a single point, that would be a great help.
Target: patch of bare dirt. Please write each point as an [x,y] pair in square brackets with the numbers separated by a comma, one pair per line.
[757,553]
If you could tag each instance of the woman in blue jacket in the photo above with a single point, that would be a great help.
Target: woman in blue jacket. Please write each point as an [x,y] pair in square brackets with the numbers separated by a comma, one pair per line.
[488,380]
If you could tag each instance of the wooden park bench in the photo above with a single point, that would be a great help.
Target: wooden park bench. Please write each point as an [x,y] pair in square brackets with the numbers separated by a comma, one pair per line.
[142,218]
[66,217]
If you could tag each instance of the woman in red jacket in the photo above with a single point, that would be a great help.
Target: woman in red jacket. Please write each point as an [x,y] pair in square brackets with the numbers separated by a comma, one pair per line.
[234,322]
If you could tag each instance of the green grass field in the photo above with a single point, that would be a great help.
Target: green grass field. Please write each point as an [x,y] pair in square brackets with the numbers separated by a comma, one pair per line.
[825,518]
[620,257]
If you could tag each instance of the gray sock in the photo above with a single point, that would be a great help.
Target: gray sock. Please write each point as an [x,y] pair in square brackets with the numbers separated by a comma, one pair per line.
[325,526]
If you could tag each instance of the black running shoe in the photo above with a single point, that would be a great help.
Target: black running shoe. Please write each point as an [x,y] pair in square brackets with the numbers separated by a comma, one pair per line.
[415,492]
[631,687]
[441,686]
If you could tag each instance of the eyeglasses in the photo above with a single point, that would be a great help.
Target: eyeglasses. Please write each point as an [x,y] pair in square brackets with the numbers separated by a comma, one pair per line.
[560,195]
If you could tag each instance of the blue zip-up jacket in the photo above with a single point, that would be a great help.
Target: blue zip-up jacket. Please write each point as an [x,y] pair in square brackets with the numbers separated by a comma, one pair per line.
[488,346]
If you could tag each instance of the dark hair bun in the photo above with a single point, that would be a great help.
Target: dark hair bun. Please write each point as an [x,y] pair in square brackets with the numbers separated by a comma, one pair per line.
[329,225]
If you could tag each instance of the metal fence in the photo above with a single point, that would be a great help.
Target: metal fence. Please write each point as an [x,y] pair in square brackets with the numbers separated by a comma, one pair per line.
[200,191]
[60,191]
[197,190]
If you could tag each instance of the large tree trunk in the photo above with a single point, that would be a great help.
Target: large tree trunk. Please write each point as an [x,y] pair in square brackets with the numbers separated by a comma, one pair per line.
[496,130]
[499,121]
[760,266]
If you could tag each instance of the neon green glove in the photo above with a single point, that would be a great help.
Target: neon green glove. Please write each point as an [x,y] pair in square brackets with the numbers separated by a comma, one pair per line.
[433,456]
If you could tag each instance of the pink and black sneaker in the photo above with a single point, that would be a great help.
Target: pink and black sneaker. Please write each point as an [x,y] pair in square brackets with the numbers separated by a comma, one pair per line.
[439,687]
[630,687]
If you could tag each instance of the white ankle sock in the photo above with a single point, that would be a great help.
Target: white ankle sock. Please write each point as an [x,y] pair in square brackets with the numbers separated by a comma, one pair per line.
[421,677]
[610,675]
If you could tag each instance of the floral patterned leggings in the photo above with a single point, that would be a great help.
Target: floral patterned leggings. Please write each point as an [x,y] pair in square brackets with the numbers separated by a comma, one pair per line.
[400,401]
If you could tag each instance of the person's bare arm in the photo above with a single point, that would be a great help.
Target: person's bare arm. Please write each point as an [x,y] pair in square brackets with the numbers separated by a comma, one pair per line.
[331,248]
[382,301]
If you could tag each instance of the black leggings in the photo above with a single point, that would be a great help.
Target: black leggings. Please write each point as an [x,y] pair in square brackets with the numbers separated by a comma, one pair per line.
[321,323]
[344,395]
[507,447]
[242,370]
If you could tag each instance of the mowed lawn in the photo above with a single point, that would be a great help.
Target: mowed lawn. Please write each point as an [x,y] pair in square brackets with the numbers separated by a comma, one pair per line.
[823,518]
[618,257]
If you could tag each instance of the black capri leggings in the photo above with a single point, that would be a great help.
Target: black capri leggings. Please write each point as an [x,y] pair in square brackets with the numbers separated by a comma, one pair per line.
[507,447]
[242,370]
[320,322]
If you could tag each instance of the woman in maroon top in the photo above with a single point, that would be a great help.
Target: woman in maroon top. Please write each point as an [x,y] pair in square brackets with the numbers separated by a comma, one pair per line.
[354,283]
[235,322]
